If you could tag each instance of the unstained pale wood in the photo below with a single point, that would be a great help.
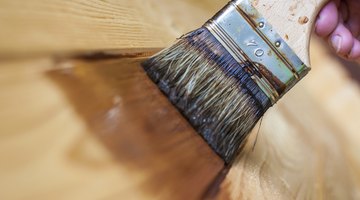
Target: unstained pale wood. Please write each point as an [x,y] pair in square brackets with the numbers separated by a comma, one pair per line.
[40,27]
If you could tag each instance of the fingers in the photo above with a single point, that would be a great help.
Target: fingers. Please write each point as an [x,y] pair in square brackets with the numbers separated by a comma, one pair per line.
[342,40]
[355,51]
[327,20]
[340,23]
[353,24]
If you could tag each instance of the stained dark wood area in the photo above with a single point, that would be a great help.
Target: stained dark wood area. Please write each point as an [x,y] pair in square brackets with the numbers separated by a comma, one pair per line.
[136,122]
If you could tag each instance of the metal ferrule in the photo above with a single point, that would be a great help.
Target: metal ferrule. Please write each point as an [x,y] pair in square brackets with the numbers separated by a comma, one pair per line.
[249,38]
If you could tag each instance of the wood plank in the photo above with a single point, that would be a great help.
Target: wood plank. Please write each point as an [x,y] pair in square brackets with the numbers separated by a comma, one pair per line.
[41,27]
[51,147]
[61,119]
[308,143]
[113,133]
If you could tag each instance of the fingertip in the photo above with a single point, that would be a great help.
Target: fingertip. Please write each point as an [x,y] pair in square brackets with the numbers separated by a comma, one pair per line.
[327,20]
[355,51]
[342,40]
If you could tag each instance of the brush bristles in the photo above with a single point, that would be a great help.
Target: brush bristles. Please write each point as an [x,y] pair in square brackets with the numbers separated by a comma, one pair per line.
[211,90]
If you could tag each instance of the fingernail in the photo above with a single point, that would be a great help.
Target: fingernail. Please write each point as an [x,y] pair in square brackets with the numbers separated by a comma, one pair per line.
[336,42]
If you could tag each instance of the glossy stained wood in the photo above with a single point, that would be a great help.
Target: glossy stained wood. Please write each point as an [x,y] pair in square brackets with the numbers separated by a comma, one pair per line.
[157,151]
[128,113]
[56,144]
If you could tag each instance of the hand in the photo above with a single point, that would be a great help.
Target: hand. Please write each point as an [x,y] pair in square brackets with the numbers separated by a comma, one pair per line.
[339,23]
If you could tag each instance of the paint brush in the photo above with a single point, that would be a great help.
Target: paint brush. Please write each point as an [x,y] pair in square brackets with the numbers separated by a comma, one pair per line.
[225,75]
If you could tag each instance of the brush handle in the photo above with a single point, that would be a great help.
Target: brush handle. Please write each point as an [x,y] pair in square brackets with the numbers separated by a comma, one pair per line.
[293,20]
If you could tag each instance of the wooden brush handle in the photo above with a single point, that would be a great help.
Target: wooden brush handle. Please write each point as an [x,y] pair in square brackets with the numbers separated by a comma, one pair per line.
[293,20]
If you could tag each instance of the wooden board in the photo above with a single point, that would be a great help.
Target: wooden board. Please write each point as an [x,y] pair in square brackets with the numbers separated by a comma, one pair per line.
[59,141]
[37,27]
[67,94]
[308,143]
[115,133]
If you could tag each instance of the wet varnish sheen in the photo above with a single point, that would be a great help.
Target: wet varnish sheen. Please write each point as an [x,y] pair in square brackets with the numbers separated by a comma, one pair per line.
[130,116]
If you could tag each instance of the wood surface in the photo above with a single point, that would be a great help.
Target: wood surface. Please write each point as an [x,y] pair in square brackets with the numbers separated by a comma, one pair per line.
[78,123]
[80,120]
[308,143]
[98,135]
[37,27]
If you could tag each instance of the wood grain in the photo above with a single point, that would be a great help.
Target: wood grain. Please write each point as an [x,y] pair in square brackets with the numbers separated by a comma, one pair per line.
[114,126]
[61,135]
[308,143]
[77,122]
[38,27]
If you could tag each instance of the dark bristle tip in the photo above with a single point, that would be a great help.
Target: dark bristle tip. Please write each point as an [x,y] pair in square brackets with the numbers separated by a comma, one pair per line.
[212,90]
